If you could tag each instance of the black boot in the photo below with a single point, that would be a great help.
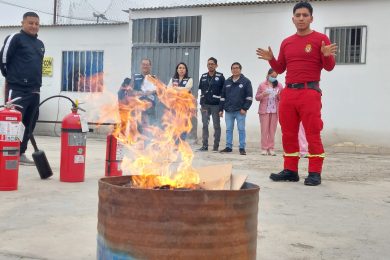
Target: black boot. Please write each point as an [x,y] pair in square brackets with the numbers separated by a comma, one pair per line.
[313,179]
[285,175]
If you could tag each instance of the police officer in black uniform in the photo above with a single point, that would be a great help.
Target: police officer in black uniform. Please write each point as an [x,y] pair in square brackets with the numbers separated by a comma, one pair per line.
[211,84]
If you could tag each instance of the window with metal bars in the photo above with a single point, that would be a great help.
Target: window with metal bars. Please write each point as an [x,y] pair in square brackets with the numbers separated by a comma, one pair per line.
[166,30]
[82,71]
[351,42]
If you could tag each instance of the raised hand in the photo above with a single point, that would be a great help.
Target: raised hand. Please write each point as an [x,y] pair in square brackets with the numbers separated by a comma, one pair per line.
[265,54]
[328,50]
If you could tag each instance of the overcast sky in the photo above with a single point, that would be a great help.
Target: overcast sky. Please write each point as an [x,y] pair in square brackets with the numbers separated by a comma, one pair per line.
[12,15]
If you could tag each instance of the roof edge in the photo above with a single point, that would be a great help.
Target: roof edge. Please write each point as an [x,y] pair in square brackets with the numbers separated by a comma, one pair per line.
[66,25]
[237,3]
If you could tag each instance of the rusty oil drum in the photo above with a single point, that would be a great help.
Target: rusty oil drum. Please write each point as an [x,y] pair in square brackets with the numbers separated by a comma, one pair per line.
[176,224]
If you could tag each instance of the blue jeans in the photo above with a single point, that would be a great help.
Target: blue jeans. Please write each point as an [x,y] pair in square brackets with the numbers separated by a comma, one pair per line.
[229,119]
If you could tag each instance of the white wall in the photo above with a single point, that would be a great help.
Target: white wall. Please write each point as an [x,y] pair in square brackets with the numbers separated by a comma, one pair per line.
[356,98]
[112,39]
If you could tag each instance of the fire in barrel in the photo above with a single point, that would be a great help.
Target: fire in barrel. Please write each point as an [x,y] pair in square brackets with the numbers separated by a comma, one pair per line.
[138,223]
[164,210]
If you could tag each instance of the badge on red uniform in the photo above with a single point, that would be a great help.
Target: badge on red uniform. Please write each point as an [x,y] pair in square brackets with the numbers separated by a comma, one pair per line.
[308,48]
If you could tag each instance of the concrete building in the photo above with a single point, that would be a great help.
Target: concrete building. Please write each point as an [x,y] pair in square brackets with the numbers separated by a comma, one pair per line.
[86,62]
[355,94]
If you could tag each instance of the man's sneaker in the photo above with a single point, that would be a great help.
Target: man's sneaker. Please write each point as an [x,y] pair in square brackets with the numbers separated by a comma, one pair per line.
[25,161]
[226,150]
[272,153]
[242,151]
[264,152]
[313,179]
[203,149]
[285,175]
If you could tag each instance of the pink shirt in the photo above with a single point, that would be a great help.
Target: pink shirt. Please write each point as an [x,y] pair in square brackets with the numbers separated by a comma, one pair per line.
[263,97]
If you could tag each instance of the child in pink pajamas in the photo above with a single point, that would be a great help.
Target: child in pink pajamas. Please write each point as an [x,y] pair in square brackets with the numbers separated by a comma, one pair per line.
[268,95]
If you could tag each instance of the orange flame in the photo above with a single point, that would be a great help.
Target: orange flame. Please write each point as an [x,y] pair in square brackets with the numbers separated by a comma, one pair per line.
[93,83]
[159,156]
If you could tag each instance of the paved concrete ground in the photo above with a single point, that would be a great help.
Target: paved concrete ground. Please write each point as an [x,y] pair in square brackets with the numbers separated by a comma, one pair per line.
[347,217]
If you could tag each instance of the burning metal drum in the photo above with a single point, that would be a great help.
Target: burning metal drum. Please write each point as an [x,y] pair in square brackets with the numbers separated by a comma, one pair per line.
[136,223]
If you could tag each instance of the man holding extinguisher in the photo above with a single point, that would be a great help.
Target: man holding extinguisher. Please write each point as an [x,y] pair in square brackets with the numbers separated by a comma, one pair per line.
[21,65]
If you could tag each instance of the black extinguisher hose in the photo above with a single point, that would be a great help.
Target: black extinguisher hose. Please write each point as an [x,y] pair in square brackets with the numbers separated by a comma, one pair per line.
[39,157]
[74,105]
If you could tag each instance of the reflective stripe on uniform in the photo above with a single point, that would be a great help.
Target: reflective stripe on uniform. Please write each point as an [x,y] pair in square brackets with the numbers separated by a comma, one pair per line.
[322,155]
[291,154]
[249,98]
[222,99]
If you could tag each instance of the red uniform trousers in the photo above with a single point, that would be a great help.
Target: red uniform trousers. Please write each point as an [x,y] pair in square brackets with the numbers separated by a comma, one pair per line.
[301,105]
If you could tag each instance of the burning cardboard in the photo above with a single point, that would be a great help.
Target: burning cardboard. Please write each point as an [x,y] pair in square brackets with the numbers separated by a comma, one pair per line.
[219,177]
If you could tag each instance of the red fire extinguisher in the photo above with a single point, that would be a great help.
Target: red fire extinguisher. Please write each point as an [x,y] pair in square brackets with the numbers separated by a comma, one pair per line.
[73,147]
[114,156]
[9,146]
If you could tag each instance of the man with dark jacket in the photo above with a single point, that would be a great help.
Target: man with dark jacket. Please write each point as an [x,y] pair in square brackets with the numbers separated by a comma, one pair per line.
[21,65]
[236,99]
[210,85]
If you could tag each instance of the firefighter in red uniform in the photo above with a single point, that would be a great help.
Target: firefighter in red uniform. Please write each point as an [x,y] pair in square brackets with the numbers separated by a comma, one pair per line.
[303,55]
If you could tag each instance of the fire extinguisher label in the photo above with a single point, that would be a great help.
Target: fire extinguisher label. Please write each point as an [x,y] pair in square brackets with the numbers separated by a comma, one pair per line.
[9,130]
[21,131]
[11,164]
[119,151]
[84,124]
[77,139]
[79,158]
[10,151]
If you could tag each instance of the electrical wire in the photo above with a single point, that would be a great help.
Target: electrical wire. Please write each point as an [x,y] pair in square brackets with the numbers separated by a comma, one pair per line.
[51,13]
[109,6]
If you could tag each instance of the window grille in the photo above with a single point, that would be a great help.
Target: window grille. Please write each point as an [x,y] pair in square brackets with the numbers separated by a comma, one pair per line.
[82,71]
[169,30]
[351,42]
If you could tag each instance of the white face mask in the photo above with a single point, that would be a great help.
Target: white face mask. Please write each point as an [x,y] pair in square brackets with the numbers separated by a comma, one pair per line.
[271,79]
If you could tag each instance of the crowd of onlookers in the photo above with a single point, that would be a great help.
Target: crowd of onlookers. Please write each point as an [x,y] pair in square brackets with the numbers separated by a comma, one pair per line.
[231,96]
